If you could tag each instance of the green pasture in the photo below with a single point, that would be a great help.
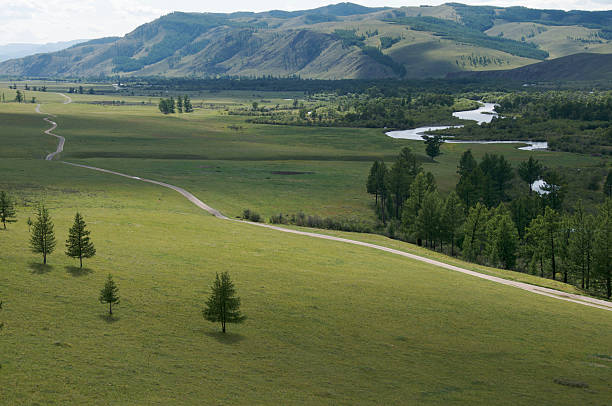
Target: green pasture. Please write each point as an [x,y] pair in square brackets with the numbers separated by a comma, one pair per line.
[230,163]
[328,323]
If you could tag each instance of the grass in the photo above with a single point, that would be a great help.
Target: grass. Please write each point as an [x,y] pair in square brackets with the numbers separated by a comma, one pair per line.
[328,323]
[232,169]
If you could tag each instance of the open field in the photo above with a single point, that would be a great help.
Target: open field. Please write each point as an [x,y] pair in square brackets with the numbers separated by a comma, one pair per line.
[237,169]
[304,342]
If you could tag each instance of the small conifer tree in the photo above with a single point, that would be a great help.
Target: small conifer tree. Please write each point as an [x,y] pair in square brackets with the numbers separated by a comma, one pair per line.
[78,244]
[223,306]
[7,210]
[42,240]
[109,294]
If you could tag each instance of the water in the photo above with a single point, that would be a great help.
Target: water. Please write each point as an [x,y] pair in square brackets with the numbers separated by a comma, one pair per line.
[481,115]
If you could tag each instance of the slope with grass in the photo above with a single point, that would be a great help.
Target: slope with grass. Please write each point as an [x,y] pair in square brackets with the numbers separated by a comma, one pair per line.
[328,322]
[314,43]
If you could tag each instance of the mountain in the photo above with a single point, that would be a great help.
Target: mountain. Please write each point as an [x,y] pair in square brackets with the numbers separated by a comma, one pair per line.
[577,67]
[333,42]
[12,51]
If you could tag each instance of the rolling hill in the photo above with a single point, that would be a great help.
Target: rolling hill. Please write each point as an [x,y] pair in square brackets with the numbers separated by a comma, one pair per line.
[333,42]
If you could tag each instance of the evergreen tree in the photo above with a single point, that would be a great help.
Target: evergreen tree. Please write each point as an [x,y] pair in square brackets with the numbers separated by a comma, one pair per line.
[502,239]
[421,185]
[474,230]
[78,244]
[42,240]
[555,187]
[581,244]
[187,105]
[427,224]
[401,176]
[109,294]
[432,145]
[535,243]
[223,305]
[523,210]
[603,247]
[608,185]
[371,182]
[530,171]
[381,188]
[179,104]
[452,220]
[470,180]
[7,209]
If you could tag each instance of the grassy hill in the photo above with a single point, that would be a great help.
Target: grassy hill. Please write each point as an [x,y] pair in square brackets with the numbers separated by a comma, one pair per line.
[578,67]
[328,323]
[333,42]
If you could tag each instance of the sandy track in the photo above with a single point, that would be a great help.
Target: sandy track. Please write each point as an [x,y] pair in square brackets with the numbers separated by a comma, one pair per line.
[556,294]
[62,140]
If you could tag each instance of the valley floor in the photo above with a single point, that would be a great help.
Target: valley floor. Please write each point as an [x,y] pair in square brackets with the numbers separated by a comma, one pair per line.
[328,322]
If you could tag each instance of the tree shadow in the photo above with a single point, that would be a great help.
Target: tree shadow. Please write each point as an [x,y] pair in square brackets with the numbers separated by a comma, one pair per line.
[109,318]
[76,271]
[39,268]
[225,338]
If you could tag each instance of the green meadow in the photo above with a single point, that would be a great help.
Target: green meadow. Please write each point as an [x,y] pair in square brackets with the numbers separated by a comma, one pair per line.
[328,322]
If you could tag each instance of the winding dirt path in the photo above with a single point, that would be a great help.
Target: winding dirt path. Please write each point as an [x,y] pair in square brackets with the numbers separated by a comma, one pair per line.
[556,294]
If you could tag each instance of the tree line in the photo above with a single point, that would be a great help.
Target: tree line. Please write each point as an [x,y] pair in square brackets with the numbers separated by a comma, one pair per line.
[170,106]
[478,221]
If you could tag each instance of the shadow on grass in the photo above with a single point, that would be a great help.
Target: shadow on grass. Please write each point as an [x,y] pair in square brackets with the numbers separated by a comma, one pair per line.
[76,271]
[225,338]
[39,268]
[109,318]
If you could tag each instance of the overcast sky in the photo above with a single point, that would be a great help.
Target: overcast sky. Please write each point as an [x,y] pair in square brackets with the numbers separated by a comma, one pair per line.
[42,21]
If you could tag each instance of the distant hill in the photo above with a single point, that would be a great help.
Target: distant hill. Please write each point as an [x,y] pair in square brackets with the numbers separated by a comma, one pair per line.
[577,67]
[12,51]
[341,41]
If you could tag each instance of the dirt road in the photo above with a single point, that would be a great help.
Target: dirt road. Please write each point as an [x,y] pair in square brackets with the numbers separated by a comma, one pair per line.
[556,294]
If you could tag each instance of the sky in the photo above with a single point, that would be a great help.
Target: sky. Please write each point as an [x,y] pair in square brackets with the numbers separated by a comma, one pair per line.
[43,21]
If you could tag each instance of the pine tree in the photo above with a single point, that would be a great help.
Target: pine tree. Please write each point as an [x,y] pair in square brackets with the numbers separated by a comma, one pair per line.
[179,104]
[371,182]
[603,246]
[474,230]
[109,294]
[452,219]
[222,305]
[530,171]
[187,105]
[78,244]
[7,209]
[42,240]
[502,239]
[428,219]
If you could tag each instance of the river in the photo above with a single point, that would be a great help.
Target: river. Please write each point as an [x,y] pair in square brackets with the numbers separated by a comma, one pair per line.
[483,114]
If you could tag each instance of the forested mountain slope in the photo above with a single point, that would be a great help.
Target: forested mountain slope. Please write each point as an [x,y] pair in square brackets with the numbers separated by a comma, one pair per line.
[333,42]
[578,67]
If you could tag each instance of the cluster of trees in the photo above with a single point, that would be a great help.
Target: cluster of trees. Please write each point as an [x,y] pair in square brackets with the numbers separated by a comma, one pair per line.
[372,110]
[223,306]
[170,106]
[42,239]
[529,233]
[27,87]
[81,90]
